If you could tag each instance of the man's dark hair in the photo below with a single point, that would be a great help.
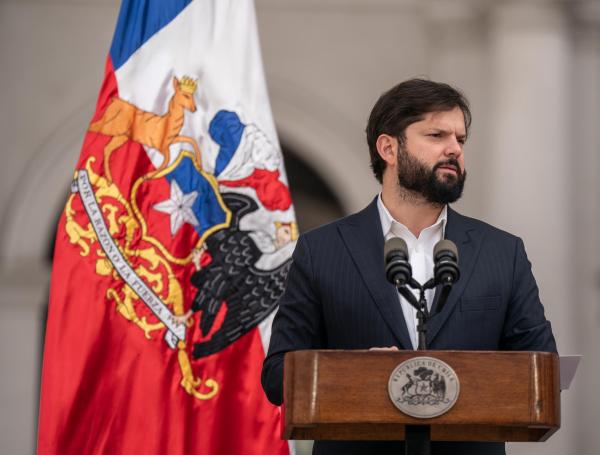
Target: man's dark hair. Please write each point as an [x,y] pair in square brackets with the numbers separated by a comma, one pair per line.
[407,103]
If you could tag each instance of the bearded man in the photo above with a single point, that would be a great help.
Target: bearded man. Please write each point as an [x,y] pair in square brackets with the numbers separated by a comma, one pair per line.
[337,296]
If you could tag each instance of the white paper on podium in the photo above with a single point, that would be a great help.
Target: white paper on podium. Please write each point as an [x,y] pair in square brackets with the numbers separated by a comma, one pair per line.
[568,367]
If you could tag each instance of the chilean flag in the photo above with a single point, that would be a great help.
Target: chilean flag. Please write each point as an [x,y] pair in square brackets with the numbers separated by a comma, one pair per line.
[182,137]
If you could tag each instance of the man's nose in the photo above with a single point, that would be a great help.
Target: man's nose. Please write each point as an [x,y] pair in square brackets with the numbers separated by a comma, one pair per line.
[454,148]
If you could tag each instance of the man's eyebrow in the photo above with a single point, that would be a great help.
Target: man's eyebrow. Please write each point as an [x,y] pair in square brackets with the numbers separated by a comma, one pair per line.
[440,129]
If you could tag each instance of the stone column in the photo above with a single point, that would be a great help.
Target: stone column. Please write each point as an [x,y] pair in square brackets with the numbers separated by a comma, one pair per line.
[585,153]
[530,170]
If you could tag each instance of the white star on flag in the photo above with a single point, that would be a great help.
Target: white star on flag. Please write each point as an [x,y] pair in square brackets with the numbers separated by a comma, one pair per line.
[179,207]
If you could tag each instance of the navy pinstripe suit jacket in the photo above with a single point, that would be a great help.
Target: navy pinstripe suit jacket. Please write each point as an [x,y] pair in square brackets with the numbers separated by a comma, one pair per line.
[337,297]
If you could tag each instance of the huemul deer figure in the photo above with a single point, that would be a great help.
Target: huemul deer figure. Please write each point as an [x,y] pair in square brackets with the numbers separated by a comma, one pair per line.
[124,121]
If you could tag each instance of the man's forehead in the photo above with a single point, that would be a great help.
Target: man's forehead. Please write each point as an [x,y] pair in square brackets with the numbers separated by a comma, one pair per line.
[452,120]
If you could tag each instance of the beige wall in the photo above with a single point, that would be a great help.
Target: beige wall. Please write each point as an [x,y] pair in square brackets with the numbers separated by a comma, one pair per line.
[530,67]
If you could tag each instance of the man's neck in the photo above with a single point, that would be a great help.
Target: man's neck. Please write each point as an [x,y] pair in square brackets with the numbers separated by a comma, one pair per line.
[410,209]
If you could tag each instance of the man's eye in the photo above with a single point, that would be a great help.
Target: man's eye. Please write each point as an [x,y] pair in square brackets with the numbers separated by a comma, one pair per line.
[435,134]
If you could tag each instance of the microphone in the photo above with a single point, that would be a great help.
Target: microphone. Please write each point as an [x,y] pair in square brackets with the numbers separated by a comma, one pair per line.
[397,267]
[445,258]
[445,269]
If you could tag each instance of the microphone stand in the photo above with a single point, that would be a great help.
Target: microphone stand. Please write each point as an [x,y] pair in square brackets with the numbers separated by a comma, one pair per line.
[421,307]
[417,438]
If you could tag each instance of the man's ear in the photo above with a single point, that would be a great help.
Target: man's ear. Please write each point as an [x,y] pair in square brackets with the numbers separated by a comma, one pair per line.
[387,147]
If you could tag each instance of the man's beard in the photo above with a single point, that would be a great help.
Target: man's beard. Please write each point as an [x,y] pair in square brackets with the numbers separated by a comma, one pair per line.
[416,177]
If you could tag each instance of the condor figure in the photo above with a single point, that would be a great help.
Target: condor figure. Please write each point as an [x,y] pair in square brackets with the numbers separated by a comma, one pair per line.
[231,278]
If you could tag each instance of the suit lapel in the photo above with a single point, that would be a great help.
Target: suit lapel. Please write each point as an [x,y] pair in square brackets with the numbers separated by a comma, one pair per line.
[363,238]
[468,241]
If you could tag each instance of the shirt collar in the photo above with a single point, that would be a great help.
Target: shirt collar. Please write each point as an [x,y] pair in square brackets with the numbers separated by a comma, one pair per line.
[387,220]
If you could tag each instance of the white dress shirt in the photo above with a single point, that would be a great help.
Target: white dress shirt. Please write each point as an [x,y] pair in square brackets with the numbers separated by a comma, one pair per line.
[420,251]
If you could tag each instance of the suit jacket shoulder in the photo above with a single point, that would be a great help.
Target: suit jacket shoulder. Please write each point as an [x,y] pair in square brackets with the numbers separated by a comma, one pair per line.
[467,223]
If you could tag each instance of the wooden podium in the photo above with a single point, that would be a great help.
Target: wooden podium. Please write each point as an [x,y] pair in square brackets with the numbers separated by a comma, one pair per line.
[343,395]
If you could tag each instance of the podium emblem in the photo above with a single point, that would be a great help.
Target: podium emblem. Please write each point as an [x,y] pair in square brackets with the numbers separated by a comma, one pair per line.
[423,387]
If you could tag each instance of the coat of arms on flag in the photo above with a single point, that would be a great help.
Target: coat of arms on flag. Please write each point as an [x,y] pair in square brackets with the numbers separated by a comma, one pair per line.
[174,244]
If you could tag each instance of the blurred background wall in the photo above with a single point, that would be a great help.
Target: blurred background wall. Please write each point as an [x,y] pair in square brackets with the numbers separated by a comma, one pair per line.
[531,69]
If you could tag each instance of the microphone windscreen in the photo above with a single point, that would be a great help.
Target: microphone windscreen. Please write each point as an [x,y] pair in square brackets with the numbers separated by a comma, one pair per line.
[395,244]
[445,245]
